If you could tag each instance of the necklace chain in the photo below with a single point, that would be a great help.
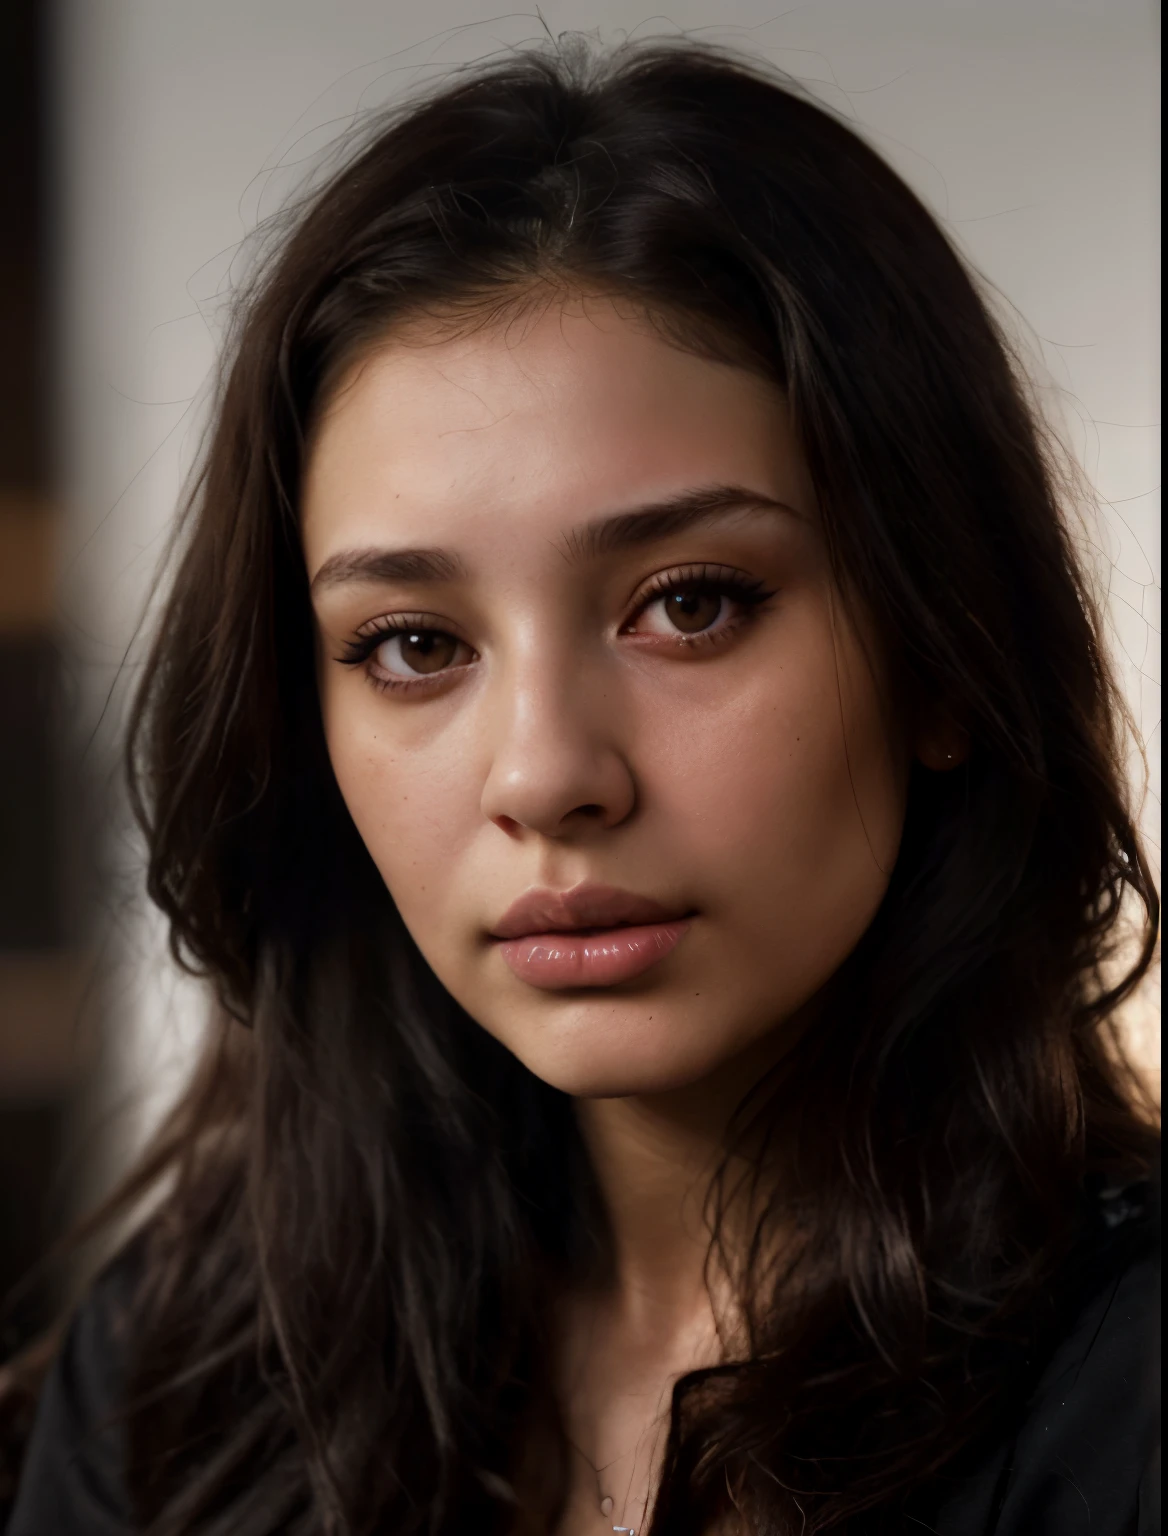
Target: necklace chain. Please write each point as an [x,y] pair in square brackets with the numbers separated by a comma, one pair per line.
[605,1500]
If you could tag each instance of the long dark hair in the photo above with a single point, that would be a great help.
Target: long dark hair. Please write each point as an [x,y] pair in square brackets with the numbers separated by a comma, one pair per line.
[343,1294]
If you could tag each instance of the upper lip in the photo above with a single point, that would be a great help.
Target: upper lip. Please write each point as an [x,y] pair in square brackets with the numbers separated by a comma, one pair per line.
[585,906]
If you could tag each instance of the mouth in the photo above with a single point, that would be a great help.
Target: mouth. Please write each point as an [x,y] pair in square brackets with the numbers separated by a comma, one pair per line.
[590,936]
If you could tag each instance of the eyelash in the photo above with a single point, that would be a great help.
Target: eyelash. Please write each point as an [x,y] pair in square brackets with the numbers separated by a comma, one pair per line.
[709,580]
[357,651]
[750,594]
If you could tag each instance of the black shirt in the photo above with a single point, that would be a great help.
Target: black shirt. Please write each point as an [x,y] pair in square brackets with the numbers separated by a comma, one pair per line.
[1080,1456]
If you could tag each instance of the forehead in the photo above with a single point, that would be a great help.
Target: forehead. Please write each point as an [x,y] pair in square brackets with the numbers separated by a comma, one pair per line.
[534,424]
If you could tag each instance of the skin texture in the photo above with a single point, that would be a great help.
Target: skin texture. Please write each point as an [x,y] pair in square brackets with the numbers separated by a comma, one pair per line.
[751,777]
[751,781]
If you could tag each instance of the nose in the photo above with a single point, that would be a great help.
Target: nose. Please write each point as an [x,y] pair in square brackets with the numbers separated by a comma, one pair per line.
[557,767]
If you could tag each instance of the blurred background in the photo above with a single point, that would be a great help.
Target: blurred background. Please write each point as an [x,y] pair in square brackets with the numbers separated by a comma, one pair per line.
[143,142]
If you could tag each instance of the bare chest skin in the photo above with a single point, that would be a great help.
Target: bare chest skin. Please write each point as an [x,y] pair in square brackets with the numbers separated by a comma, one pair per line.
[621,1356]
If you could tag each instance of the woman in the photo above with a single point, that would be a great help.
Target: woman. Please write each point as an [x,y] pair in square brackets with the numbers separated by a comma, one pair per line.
[630,746]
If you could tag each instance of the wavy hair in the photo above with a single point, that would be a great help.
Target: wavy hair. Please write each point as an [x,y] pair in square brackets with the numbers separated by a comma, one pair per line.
[342,1320]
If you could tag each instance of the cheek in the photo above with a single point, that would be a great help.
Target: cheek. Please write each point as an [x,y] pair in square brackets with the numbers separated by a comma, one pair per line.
[789,796]
[408,802]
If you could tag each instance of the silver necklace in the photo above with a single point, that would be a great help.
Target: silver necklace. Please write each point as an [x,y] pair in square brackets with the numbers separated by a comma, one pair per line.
[630,1529]
[605,1500]
[606,1508]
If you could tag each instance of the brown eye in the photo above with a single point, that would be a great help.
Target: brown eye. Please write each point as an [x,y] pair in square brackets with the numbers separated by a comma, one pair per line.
[699,603]
[692,611]
[414,652]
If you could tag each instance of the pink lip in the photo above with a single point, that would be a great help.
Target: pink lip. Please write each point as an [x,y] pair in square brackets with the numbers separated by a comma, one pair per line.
[592,936]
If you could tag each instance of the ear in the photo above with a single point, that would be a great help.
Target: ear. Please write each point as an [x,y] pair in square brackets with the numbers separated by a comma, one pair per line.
[942,744]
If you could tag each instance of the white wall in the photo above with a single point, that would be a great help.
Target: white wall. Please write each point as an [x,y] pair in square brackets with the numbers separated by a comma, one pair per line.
[1030,127]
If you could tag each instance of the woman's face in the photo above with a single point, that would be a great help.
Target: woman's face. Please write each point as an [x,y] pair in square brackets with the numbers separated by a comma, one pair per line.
[618,750]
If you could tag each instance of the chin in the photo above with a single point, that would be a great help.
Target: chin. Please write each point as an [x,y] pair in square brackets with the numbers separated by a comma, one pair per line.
[600,1048]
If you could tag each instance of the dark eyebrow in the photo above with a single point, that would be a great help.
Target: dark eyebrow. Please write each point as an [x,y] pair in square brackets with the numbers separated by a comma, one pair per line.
[645,525]
[370,565]
[588,541]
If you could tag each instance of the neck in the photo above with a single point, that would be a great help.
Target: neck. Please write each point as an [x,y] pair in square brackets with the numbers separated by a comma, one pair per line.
[659,1314]
[654,1157]
[653,1169]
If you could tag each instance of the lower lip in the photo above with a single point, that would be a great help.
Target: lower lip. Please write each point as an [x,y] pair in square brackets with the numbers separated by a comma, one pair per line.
[599,959]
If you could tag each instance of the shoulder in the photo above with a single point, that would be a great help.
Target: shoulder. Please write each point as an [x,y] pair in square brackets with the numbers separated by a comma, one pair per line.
[71,1481]
[1081,1453]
